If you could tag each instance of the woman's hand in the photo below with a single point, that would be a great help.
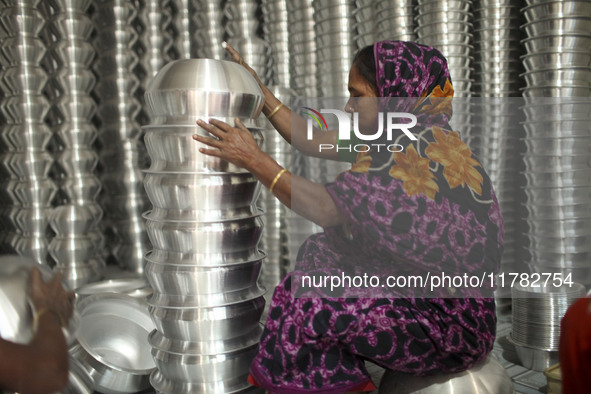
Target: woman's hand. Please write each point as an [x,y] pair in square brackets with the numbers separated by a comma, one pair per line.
[233,144]
[240,60]
[51,295]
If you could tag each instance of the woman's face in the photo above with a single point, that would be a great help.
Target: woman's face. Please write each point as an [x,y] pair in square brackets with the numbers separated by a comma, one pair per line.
[363,100]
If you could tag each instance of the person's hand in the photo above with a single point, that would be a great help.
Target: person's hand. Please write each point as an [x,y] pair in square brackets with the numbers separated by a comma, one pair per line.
[234,144]
[51,295]
[240,60]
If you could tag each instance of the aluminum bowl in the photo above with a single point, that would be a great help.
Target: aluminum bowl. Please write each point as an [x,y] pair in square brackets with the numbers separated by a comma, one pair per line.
[533,358]
[113,342]
[580,76]
[206,87]
[443,16]
[559,25]
[558,228]
[550,9]
[163,385]
[19,78]
[556,42]
[559,59]
[232,367]
[431,5]
[487,377]
[209,195]
[558,91]
[558,129]
[79,274]
[237,235]
[568,196]
[204,324]
[204,259]
[79,380]
[74,219]
[173,149]
[26,164]
[128,286]
[192,280]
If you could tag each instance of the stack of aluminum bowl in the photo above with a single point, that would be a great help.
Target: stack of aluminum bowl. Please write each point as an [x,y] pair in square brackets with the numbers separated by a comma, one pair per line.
[78,242]
[557,108]
[335,45]
[302,47]
[122,153]
[276,229]
[395,20]
[181,25]
[207,30]
[157,42]
[496,35]
[365,26]
[27,190]
[205,229]
[558,41]
[275,29]
[242,27]
[537,311]
[447,26]
[496,136]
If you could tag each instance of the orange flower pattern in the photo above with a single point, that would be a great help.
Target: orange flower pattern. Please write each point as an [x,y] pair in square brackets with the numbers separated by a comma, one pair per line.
[362,163]
[440,100]
[456,158]
[414,172]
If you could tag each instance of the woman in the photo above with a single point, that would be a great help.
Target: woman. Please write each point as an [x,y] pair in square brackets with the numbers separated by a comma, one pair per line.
[428,206]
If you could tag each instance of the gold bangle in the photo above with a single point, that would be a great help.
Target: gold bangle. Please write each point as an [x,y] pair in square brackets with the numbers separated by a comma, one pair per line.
[43,311]
[277,108]
[276,179]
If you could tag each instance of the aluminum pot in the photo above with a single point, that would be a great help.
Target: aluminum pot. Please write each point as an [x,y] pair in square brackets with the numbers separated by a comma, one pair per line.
[236,235]
[206,87]
[113,342]
[230,367]
[191,280]
[208,196]
[202,324]
[163,385]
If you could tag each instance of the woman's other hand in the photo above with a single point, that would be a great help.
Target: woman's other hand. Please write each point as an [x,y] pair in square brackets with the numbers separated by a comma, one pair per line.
[237,57]
[234,144]
[50,295]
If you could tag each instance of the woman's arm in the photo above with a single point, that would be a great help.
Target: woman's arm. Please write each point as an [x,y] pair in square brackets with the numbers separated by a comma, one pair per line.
[237,145]
[288,123]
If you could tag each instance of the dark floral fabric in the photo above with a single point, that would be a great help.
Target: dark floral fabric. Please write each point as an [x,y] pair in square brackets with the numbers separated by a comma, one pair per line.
[429,208]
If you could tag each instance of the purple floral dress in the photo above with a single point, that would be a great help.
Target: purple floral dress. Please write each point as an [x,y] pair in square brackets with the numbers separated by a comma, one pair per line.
[430,207]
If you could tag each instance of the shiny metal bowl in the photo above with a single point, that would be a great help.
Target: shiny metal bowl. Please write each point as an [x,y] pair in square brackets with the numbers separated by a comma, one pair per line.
[208,196]
[204,324]
[559,25]
[236,235]
[195,280]
[173,149]
[113,342]
[229,367]
[127,286]
[487,377]
[550,9]
[163,385]
[187,88]
[556,42]
[533,358]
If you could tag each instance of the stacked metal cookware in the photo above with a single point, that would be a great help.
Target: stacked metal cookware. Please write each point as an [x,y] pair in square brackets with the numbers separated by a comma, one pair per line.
[276,227]
[27,190]
[335,45]
[181,25]
[243,27]
[537,311]
[122,152]
[395,20]
[302,47]
[207,29]
[156,38]
[365,27]
[447,26]
[276,33]
[78,243]
[205,229]
[497,133]
[557,108]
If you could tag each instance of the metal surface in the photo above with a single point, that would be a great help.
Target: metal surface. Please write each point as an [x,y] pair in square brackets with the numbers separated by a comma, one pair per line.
[487,377]
[113,342]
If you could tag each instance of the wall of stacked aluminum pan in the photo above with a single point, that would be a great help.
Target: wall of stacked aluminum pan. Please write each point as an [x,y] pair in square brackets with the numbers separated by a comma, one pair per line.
[73,75]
